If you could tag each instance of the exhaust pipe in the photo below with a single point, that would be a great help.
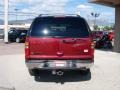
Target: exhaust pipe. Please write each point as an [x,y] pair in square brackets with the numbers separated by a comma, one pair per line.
[60,73]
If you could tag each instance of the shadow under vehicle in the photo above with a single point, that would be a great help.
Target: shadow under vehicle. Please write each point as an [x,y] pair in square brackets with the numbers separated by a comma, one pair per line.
[69,76]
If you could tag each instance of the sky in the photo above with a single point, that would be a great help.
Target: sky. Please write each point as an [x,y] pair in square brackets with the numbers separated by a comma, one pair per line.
[32,8]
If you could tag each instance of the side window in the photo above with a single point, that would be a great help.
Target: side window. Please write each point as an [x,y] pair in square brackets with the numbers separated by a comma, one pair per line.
[30,29]
[11,31]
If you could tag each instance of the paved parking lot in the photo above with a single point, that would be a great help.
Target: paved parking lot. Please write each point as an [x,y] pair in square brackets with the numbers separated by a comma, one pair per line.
[105,74]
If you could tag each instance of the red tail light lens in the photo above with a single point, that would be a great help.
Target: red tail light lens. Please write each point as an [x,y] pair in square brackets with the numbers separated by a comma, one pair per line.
[92,45]
[26,45]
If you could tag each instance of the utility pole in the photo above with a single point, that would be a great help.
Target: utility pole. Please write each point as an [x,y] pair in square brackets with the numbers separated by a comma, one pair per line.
[6,3]
[16,10]
[95,15]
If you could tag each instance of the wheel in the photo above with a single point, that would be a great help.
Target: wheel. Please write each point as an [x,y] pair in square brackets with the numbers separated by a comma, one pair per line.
[17,40]
[110,45]
[85,72]
[33,72]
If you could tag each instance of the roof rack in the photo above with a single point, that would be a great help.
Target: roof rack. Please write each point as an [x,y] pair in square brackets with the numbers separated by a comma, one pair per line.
[50,15]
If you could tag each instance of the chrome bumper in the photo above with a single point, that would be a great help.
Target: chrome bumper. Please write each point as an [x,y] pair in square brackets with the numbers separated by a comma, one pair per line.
[49,64]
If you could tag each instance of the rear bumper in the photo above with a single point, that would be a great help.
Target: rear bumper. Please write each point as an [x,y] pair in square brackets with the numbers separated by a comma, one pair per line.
[50,65]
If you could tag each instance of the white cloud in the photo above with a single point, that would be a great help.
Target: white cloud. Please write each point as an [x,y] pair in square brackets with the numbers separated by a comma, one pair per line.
[84,8]
[46,6]
[37,6]
[50,6]
[108,16]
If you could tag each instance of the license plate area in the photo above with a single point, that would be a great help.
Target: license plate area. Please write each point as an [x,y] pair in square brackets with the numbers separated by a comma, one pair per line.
[60,63]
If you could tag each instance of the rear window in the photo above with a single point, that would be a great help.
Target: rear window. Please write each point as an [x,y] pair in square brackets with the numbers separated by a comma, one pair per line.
[59,27]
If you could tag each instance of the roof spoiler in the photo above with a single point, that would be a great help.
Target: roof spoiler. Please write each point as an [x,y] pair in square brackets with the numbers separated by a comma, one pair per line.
[52,15]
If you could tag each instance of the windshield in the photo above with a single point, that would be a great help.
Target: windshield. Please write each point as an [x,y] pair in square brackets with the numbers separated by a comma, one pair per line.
[59,27]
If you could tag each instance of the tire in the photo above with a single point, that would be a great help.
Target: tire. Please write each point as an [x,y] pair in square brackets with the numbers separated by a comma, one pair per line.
[85,72]
[17,40]
[33,72]
[110,45]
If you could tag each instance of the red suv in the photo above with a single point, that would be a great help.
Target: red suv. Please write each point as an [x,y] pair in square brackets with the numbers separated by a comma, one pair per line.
[59,43]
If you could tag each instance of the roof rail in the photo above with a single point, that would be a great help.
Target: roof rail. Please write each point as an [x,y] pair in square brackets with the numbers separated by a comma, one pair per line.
[44,15]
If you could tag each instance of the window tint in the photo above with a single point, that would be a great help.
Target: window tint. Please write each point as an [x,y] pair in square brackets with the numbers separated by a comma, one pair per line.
[59,27]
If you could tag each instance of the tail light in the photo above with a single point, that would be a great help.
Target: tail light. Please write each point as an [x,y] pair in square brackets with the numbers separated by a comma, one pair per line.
[27,51]
[26,45]
[92,45]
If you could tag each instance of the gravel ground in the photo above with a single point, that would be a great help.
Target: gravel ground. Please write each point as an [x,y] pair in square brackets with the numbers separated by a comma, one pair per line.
[105,74]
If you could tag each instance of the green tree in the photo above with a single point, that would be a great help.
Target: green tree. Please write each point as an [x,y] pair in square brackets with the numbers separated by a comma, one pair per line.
[96,27]
[108,28]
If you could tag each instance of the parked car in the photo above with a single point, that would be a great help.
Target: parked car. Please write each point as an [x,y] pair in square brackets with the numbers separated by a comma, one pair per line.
[1,34]
[16,35]
[104,42]
[111,35]
[97,35]
[59,43]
